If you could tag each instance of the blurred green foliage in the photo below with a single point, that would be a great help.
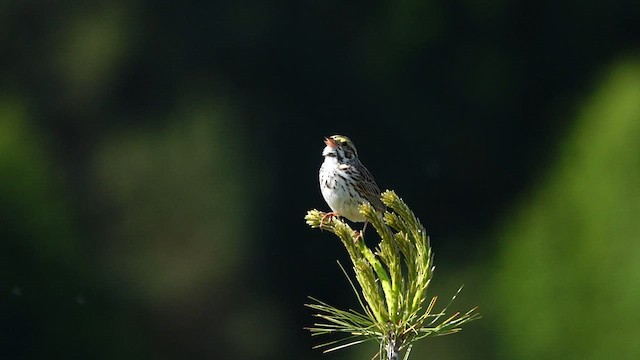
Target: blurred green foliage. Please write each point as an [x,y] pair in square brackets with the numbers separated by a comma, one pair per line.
[183,221]
[156,159]
[29,187]
[569,281]
[46,276]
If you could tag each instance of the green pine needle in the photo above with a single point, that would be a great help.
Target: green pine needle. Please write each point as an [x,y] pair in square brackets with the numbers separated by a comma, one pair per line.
[393,280]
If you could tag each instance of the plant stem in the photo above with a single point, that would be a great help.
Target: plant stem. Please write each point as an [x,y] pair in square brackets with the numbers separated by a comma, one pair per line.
[391,349]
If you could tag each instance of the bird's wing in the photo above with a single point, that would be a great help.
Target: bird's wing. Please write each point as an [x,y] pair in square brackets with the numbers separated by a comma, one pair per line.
[367,186]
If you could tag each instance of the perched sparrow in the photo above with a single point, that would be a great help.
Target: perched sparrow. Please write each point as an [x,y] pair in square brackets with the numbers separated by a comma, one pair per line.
[345,182]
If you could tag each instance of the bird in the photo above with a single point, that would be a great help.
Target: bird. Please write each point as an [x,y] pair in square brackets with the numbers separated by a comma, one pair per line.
[345,182]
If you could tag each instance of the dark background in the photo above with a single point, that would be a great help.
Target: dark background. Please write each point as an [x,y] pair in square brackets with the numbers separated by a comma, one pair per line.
[157,159]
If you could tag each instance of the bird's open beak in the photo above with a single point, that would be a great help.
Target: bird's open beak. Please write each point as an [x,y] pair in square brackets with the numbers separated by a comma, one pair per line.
[330,142]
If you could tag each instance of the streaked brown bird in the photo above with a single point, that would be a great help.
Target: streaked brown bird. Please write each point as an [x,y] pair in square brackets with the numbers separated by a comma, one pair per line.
[345,182]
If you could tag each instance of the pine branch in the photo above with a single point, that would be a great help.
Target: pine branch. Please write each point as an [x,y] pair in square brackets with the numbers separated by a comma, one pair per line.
[393,281]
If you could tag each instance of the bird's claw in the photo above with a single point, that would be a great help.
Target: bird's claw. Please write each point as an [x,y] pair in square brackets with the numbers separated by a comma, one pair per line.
[329,215]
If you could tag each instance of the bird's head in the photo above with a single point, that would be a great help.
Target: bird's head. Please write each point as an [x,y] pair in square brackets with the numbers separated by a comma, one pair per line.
[340,147]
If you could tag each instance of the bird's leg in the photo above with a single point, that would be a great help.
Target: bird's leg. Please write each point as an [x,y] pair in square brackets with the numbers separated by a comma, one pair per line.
[329,215]
[360,235]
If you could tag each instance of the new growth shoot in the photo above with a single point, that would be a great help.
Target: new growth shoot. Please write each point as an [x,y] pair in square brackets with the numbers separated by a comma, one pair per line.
[392,278]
